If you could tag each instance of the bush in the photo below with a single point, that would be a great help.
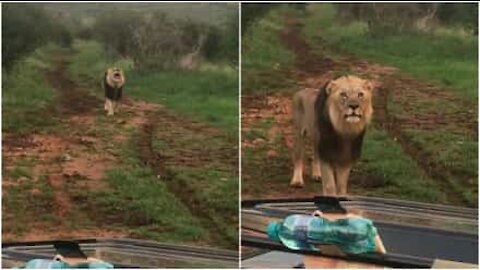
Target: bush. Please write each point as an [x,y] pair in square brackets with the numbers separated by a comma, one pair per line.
[222,42]
[115,29]
[25,28]
[155,41]
[251,12]
[388,19]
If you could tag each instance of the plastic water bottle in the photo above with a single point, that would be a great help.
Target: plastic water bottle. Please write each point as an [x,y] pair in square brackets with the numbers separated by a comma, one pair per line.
[304,232]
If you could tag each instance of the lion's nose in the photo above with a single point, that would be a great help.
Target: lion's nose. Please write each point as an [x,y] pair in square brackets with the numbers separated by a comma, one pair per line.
[354,106]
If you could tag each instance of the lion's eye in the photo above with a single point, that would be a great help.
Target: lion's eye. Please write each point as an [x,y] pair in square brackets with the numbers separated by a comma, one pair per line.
[343,95]
[360,94]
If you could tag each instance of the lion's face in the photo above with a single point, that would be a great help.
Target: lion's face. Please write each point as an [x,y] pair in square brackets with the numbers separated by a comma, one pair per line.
[349,104]
[115,77]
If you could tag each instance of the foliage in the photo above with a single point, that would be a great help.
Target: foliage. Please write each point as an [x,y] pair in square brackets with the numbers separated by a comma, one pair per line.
[264,56]
[156,41]
[393,18]
[26,93]
[26,27]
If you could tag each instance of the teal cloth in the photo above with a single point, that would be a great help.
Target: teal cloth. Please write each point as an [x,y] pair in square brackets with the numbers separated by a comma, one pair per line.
[53,264]
[304,232]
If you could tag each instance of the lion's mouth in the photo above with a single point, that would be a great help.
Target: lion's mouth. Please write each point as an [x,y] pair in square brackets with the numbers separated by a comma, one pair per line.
[353,117]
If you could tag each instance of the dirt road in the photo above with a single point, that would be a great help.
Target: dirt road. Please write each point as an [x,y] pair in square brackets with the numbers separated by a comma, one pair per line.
[67,165]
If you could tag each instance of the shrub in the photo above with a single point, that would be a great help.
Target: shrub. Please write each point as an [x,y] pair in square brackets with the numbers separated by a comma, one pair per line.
[26,27]
[155,41]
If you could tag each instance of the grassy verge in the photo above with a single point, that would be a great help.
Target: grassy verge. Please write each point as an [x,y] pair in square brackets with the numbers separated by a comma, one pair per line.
[26,93]
[209,96]
[264,57]
[446,56]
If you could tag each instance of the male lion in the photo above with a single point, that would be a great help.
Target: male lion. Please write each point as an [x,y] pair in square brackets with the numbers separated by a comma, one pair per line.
[335,118]
[113,82]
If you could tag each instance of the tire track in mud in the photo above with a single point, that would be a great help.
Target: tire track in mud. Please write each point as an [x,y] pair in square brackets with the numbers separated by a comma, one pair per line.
[67,161]
[389,123]
[313,70]
[74,103]
[160,165]
[77,110]
[71,102]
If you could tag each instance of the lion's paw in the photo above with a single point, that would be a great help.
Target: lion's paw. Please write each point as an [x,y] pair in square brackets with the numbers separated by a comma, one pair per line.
[296,185]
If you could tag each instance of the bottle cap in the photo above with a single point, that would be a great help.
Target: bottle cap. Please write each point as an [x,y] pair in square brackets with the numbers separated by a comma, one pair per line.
[272,231]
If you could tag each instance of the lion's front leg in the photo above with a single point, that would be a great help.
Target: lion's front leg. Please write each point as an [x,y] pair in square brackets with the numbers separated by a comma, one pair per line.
[115,106]
[298,152]
[328,179]
[109,107]
[316,169]
[342,174]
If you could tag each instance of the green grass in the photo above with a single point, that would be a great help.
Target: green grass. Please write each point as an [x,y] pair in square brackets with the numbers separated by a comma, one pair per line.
[218,192]
[260,171]
[264,57]
[263,176]
[19,172]
[26,94]
[140,202]
[209,96]
[447,56]
[143,202]
[210,176]
[456,153]
[89,62]
[400,177]
[29,200]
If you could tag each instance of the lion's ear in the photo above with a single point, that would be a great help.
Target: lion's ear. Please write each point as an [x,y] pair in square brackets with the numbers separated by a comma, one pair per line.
[368,85]
[326,87]
[329,86]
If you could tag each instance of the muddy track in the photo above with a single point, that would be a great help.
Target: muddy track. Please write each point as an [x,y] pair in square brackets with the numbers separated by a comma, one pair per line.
[313,70]
[77,157]
[63,164]
[181,189]
[72,101]
[306,63]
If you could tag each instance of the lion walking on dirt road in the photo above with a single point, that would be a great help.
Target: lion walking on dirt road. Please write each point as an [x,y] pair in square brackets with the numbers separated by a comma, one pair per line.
[335,118]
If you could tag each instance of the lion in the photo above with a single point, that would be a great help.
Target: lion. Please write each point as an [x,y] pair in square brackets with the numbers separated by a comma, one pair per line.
[113,82]
[335,118]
